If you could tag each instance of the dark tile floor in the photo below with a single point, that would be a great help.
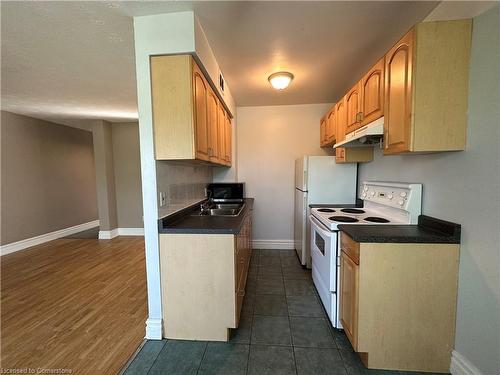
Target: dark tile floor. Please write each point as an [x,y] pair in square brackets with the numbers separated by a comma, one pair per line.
[283,330]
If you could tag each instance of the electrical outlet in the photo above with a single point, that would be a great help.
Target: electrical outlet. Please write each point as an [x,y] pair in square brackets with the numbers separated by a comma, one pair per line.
[163,199]
[206,192]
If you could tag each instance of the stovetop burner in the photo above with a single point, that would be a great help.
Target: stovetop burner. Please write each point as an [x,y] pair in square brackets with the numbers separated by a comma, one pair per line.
[343,219]
[325,210]
[375,219]
[352,211]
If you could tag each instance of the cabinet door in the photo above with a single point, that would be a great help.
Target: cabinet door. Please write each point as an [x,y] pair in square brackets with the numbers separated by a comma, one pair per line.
[353,108]
[372,93]
[340,155]
[322,132]
[341,121]
[201,116]
[213,136]
[398,96]
[229,141]
[221,132]
[331,125]
[349,298]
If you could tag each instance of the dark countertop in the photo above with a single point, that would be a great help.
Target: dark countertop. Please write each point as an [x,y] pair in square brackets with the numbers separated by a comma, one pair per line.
[428,230]
[184,222]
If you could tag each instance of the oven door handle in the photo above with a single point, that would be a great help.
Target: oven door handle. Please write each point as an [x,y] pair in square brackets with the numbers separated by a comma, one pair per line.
[320,227]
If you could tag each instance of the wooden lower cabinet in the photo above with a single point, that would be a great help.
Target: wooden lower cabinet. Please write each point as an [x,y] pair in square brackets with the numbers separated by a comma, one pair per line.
[398,303]
[349,297]
[203,278]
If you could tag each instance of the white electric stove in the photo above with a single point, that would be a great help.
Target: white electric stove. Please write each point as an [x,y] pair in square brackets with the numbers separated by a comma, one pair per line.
[388,203]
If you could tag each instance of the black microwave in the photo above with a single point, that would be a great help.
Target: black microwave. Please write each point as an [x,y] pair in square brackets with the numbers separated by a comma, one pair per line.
[226,192]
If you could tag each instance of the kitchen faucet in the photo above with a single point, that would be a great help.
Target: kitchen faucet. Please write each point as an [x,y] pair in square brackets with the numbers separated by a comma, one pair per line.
[204,206]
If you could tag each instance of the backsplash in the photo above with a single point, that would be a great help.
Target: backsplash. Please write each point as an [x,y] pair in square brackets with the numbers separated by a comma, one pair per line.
[183,183]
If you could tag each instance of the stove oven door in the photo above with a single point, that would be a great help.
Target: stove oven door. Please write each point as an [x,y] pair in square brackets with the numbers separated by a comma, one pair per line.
[324,266]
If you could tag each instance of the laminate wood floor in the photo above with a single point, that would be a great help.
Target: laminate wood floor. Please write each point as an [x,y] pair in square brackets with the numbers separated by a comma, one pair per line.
[75,304]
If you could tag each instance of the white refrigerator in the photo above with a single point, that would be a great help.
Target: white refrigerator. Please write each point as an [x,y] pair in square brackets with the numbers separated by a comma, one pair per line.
[319,180]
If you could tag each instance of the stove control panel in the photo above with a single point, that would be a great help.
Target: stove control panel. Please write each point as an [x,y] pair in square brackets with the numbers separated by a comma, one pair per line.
[389,196]
[396,195]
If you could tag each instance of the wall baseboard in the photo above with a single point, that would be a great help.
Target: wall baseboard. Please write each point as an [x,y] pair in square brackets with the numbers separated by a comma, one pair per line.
[23,244]
[131,231]
[274,244]
[154,329]
[461,365]
[110,234]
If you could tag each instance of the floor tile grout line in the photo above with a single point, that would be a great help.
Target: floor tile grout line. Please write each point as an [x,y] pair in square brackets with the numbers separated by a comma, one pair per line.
[156,358]
[290,325]
[252,316]
[202,357]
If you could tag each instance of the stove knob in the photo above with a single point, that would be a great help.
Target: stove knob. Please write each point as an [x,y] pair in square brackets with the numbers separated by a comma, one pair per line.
[372,193]
[363,195]
[365,188]
[401,202]
[403,194]
[390,196]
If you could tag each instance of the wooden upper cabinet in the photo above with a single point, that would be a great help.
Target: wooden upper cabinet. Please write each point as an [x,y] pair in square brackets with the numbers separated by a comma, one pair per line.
[322,132]
[341,121]
[221,132]
[398,95]
[187,113]
[353,108]
[426,88]
[372,93]
[201,109]
[229,140]
[340,132]
[213,126]
[331,126]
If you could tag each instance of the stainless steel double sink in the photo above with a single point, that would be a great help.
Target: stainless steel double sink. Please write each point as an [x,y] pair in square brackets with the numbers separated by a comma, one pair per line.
[220,209]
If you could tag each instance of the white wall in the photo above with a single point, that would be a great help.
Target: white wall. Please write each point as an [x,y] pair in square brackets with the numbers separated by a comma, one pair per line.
[269,140]
[127,172]
[463,187]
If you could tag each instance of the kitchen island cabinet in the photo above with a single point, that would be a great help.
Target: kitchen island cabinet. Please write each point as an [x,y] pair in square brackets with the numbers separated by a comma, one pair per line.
[398,300]
[203,276]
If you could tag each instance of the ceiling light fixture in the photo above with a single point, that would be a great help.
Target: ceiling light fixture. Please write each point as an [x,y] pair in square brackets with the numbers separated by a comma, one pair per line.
[280,80]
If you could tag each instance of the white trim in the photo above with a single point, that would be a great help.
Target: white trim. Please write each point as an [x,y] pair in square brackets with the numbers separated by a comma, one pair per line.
[461,365]
[108,234]
[273,244]
[131,231]
[23,244]
[153,329]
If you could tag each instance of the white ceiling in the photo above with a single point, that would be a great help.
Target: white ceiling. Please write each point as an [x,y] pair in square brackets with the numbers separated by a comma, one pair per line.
[75,60]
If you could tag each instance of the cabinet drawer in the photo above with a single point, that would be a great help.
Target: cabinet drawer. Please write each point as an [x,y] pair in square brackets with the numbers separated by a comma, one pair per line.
[350,247]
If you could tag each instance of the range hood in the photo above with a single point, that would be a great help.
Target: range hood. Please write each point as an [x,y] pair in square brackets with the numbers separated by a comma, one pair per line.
[365,136]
